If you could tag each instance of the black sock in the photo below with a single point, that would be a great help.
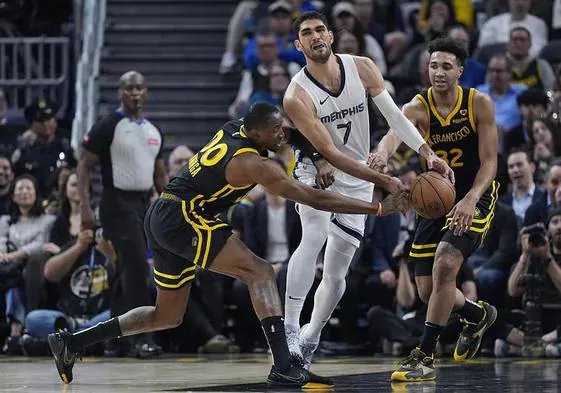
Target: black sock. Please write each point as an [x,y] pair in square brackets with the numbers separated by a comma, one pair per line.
[471,311]
[100,332]
[274,331]
[430,337]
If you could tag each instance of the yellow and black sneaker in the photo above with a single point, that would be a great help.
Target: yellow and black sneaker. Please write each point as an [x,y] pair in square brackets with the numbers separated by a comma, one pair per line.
[297,377]
[472,333]
[64,358]
[417,367]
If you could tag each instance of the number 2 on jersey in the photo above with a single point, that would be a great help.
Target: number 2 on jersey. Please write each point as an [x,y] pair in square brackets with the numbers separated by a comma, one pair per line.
[455,155]
[347,127]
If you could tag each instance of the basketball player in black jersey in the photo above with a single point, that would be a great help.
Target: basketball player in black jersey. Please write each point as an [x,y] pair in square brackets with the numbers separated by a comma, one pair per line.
[183,231]
[459,125]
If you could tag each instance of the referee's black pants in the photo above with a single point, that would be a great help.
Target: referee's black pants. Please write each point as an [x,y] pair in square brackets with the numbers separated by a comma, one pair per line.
[122,218]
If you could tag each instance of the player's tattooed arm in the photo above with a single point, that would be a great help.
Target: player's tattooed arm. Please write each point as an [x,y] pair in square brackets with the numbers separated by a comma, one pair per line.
[250,168]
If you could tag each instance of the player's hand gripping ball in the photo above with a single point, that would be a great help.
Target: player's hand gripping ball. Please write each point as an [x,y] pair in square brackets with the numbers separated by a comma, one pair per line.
[432,195]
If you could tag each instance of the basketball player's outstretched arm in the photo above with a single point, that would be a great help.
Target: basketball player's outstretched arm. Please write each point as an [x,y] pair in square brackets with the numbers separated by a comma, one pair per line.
[374,83]
[462,213]
[299,107]
[250,168]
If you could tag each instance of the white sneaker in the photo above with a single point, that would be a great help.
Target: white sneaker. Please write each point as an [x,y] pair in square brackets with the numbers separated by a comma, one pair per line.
[553,350]
[503,349]
[293,341]
[307,348]
[228,62]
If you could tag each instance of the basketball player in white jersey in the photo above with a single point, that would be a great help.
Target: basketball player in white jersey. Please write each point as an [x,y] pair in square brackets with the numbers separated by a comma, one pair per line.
[327,101]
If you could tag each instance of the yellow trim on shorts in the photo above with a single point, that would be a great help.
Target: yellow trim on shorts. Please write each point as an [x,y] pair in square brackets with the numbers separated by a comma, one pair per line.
[423,246]
[174,286]
[422,255]
[173,277]
[485,223]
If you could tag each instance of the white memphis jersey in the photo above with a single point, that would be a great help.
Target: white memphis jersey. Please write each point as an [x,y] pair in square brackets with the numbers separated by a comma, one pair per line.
[344,113]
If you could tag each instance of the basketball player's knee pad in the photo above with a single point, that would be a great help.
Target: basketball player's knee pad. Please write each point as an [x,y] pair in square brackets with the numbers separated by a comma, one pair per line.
[338,256]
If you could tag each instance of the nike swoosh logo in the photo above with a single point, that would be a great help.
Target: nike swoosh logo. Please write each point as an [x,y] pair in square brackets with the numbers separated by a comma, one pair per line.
[299,380]
[321,102]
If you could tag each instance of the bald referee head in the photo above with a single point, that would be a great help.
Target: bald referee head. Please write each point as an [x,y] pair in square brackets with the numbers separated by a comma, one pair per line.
[132,92]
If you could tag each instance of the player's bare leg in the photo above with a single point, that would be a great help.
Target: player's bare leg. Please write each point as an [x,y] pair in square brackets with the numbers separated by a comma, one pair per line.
[440,291]
[237,261]
[166,314]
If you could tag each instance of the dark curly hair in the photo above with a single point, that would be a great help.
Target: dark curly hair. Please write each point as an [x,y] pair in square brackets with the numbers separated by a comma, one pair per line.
[449,45]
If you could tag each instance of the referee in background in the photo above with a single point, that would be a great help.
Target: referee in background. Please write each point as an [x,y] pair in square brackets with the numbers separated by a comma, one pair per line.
[128,148]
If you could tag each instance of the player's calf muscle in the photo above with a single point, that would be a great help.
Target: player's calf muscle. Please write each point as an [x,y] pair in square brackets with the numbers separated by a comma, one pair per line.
[265,298]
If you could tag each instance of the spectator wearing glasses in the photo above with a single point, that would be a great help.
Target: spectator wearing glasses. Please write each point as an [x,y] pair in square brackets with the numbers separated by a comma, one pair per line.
[526,69]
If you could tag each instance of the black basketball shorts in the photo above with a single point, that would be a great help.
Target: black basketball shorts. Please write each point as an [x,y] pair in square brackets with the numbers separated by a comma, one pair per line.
[181,241]
[429,233]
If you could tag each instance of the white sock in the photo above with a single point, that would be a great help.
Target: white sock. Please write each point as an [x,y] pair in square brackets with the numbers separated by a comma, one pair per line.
[302,264]
[338,256]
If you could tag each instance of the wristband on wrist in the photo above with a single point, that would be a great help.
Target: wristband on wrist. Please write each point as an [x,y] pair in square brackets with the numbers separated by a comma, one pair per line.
[316,156]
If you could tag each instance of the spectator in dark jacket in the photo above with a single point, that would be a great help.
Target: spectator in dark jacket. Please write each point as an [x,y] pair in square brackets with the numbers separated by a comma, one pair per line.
[539,210]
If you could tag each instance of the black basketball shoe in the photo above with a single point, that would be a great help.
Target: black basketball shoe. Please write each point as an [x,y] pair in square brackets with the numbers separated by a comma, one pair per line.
[470,338]
[64,357]
[297,377]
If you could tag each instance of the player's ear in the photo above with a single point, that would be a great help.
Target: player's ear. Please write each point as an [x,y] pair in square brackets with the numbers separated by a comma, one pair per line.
[298,45]
[331,37]
[461,71]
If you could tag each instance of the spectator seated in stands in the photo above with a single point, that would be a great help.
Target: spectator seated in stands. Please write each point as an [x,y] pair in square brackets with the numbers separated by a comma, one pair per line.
[345,17]
[504,95]
[498,28]
[409,91]
[256,78]
[6,178]
[83,270]
[278,83]
[545,144]
[527,70]
[394,43]
[491,263]
[177,158]
[474,72]
[271,231]
[68,220]
[43,151]
[8,132]
[539,210]
[532,104]
[521,169]
[537,279]
[23,232]
[279,23]
[440,16]
[462,9]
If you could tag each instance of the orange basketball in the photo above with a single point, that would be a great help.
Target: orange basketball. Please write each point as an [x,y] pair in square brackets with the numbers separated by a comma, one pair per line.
[432,195]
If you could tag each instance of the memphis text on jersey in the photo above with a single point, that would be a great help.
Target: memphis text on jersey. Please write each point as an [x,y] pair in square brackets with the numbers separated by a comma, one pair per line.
[343,113]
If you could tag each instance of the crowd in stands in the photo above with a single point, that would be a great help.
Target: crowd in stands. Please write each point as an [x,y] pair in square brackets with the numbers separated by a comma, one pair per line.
[54,275]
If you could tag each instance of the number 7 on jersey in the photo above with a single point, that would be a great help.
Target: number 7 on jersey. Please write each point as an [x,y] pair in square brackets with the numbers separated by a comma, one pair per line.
[347,127]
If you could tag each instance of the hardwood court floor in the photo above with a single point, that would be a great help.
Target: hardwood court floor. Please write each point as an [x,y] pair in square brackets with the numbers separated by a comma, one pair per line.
[237,373]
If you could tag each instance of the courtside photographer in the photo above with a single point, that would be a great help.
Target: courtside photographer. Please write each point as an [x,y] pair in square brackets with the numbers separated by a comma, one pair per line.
[537,278]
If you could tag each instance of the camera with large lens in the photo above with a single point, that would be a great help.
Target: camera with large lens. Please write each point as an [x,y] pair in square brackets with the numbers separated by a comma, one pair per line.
[538,235]
[532,280]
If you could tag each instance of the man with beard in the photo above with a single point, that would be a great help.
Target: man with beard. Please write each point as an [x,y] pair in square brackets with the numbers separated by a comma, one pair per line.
[327,101]
[459,124]
[549,255]
[128,148]
[185,235]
